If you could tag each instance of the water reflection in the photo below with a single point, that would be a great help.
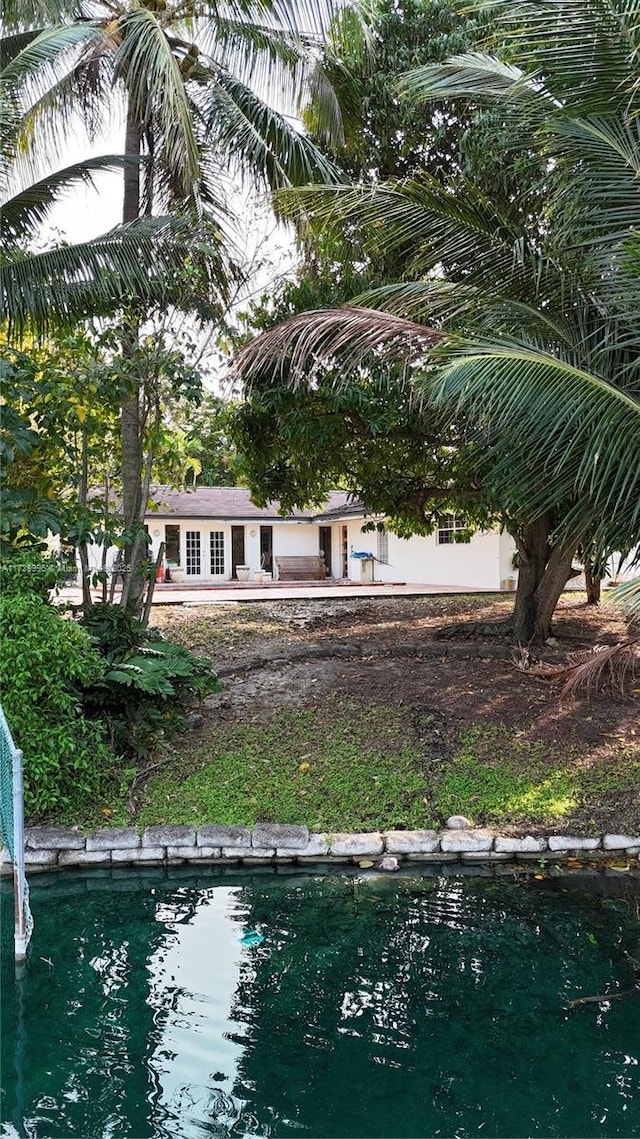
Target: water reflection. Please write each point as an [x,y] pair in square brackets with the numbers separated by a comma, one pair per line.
[320,1005]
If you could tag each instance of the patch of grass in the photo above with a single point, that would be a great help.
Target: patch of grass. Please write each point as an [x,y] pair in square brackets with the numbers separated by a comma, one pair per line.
[210,628]
[502,778]
[611,774]
[345,768]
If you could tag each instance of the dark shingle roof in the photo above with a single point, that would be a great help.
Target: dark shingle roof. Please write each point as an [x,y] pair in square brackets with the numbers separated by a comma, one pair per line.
[347,509]
[230,502]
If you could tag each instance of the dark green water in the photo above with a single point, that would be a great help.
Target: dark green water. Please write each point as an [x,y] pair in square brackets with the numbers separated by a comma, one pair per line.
[373,1006]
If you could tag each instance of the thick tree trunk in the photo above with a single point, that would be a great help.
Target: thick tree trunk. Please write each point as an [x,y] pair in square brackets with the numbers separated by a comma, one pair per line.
[543,573]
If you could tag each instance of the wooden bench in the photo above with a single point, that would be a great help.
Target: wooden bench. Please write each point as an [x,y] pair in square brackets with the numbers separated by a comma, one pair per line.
[301,568]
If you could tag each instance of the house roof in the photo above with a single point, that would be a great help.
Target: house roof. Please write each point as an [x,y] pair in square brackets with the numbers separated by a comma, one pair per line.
[231,502]
[352,509]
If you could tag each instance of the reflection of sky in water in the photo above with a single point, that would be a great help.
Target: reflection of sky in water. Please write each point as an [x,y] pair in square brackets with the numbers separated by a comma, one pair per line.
[193,977]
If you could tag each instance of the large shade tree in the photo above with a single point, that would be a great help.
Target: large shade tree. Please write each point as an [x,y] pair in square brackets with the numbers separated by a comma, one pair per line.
[192,83]
[539,360]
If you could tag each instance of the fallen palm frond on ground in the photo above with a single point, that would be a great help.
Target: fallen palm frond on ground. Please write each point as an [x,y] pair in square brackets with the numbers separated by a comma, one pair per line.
[611,667]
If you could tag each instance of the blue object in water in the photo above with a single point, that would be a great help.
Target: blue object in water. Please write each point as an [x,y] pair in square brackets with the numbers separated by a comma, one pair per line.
[251,937]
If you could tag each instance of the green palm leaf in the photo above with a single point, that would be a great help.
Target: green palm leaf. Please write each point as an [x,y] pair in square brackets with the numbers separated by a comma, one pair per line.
[156,89]
[481,76]
[432,226]
[557,433]
[141,263]
[40,59]
[26,209]
[252,136]
[628,596]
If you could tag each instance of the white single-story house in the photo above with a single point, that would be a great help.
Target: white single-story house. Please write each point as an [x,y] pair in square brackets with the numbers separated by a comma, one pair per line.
[211,531]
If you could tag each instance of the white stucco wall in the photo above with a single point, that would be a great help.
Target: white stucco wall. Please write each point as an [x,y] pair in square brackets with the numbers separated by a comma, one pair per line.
[479,563]
[293,538]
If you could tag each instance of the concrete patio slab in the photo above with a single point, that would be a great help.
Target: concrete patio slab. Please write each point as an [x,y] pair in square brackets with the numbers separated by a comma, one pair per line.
[240,592]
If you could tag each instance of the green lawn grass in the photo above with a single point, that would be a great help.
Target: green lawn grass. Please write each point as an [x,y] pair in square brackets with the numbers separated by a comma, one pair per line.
[349,767]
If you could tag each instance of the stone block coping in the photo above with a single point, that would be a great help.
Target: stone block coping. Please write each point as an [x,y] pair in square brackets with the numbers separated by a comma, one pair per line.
[276,843]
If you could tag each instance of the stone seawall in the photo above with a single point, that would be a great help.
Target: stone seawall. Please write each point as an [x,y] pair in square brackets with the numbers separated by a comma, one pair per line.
[52,847]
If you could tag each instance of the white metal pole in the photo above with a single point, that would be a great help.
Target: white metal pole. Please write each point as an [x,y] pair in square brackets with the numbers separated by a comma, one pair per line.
[20,935]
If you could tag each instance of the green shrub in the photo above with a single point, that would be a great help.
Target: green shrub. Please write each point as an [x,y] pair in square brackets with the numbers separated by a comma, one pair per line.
[149,684]
[45,664]
[29,571]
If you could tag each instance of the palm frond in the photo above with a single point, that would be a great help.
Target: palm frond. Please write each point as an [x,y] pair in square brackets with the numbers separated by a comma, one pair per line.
[252,136]
[299,17]
[627,595]
[25,14]
[155,87]
[588,48]
[557,434]
[604,201]
[80,95]
[27,208]
[12,45]
[249,49]
[144,263]
[471,311]
[347,335]
[583,117]
[40,59]
[478,76]
[611,667]
[436,229]
[323,114]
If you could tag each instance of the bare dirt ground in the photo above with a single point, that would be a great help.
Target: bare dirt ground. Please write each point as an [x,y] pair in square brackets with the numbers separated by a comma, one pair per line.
[386,652]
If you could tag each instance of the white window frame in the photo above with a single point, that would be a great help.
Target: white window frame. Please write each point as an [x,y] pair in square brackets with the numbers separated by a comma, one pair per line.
[193,553]
[383,546]
[217,559]
[448,527]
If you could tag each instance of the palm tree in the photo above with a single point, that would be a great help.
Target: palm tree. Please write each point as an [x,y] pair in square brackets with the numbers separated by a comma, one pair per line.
[190,81]
[541,357]
[41,290]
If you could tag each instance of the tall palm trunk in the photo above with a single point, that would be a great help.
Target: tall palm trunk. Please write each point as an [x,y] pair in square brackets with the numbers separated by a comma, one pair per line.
[131,418]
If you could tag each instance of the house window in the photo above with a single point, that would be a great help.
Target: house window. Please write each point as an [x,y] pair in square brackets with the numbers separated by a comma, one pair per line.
[193,551]
[383,546]
[216,551]
[449,530]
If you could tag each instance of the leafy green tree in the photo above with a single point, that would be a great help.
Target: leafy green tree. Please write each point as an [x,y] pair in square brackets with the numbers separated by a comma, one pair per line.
[388,137]
[204,437]
[530,326]
[369,436]
[65,476]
